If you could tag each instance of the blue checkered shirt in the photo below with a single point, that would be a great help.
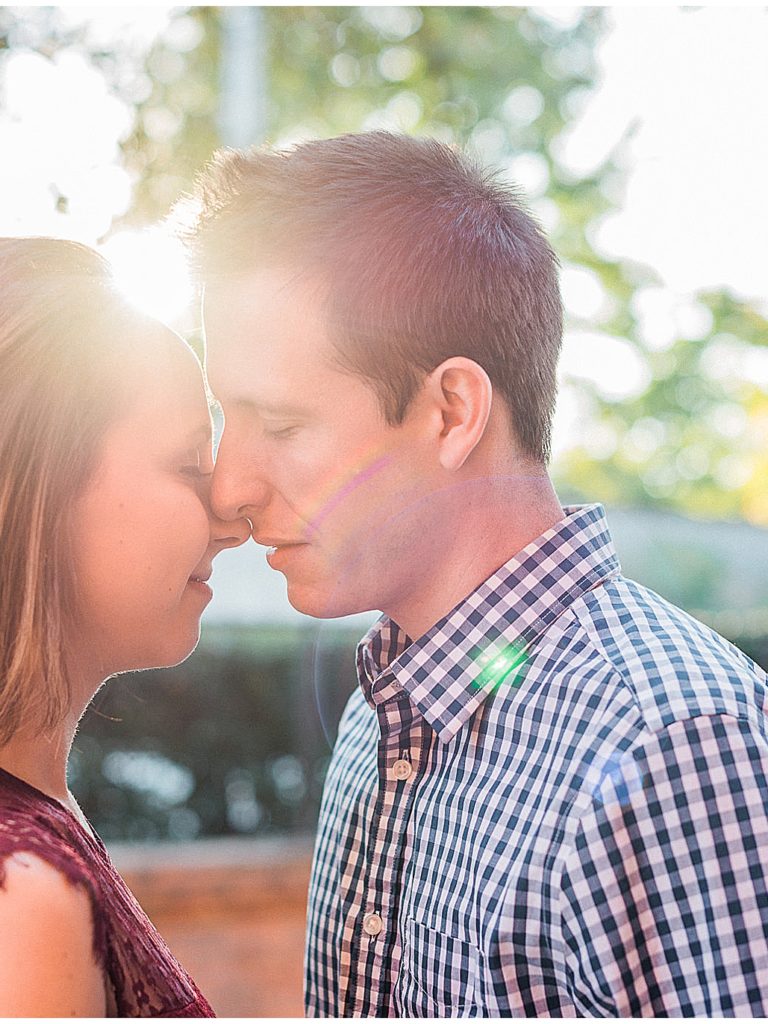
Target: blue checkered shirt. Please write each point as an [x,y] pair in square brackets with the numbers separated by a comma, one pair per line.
[552,804]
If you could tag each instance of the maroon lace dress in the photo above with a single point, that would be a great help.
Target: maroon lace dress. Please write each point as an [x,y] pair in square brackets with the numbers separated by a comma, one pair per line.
[145,979]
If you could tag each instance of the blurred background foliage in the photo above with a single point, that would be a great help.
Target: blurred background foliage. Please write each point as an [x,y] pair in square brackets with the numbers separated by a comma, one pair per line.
[678,423]
[683,421]
[235,741]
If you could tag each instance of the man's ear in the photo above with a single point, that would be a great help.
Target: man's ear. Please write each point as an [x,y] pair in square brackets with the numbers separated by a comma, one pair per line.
[461,392]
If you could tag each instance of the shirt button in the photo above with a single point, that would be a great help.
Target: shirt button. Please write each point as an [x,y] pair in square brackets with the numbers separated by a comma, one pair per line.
[402,770]
[372,924]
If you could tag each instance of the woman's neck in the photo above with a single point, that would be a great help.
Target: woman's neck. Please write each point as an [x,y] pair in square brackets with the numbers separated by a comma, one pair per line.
[40,759]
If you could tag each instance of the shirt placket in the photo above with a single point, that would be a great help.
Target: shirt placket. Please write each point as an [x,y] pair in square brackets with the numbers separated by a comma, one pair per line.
[372,925]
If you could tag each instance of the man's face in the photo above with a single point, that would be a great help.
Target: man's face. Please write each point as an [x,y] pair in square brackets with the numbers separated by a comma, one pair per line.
[341,499]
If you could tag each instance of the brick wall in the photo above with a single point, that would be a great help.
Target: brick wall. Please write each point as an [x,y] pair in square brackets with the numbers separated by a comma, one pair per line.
[232,911]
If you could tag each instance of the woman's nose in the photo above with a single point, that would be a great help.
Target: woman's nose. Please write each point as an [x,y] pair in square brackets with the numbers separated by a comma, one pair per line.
[228,533]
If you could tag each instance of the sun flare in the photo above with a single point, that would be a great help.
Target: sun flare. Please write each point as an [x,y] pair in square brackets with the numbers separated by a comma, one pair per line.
[151,270]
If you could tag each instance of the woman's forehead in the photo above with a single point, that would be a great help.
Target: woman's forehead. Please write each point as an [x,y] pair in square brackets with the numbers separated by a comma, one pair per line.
[162,376]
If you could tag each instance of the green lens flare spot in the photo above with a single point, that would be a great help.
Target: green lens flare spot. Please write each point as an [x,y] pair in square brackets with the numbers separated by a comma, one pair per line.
[499,665]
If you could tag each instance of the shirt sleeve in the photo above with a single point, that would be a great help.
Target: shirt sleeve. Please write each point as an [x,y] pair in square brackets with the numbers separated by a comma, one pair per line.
[665,892]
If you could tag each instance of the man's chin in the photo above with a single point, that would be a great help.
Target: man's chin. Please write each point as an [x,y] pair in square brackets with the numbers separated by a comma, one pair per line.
[318,604]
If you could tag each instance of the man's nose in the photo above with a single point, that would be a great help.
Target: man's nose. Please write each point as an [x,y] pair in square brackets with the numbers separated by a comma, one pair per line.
[238,488]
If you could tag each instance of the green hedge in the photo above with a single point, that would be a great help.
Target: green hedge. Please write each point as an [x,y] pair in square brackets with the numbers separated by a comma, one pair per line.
[235,741]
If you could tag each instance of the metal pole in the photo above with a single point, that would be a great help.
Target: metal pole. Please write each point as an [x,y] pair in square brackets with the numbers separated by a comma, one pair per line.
[242,114]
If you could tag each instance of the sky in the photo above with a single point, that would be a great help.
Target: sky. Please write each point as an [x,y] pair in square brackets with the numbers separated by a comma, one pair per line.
[695,81]
[687,88]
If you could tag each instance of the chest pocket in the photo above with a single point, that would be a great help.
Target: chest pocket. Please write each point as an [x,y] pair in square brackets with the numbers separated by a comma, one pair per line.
[439,975]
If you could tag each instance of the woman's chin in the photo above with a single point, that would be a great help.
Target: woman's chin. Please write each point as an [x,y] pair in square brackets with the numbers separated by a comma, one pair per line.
[181,654]
[167,655]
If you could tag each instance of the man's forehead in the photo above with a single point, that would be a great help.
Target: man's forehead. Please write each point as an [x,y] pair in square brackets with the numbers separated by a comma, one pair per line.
[260,289]
[268,325]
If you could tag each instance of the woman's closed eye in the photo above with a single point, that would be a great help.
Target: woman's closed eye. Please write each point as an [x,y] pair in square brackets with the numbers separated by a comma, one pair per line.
[196,465]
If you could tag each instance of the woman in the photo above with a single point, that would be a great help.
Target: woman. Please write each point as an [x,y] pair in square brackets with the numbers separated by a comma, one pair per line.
[106,544]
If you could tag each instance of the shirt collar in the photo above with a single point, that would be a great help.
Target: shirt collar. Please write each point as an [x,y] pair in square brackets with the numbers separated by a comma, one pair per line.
[482,643]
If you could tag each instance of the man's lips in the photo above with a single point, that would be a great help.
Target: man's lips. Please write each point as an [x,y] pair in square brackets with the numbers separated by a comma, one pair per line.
[279,543]
[279,549]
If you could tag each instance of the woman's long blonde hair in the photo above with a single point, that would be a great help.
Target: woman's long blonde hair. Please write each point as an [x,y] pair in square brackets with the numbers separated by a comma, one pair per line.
[61,321]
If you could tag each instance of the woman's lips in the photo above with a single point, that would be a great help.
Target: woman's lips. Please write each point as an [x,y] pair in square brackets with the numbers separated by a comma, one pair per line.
[201,586]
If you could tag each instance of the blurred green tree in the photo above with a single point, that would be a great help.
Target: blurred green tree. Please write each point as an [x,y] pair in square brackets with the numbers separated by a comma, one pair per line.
[506,82]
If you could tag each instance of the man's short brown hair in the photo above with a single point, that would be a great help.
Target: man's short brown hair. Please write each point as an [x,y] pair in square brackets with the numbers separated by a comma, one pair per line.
[423,256]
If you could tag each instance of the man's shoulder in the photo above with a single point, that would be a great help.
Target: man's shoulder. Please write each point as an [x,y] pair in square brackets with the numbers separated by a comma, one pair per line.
[674,665]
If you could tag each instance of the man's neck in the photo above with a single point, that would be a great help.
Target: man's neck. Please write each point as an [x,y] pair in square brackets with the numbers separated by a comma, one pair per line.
[491,521]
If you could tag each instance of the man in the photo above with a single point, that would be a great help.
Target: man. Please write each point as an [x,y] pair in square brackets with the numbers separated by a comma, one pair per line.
[548,792]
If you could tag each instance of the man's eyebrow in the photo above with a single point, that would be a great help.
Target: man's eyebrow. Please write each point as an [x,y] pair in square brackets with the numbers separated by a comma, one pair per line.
[273,408]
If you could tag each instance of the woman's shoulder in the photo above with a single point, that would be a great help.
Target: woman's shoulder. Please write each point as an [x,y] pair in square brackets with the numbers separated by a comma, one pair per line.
[32,882]
[38,903]
[52,966]
[52,880]
[37,832]
[147,979]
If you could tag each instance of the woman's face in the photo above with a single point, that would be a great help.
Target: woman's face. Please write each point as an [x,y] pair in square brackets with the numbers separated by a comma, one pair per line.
[143,539]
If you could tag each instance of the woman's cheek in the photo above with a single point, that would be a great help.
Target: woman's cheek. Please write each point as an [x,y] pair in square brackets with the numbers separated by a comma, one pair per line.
[191,523]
